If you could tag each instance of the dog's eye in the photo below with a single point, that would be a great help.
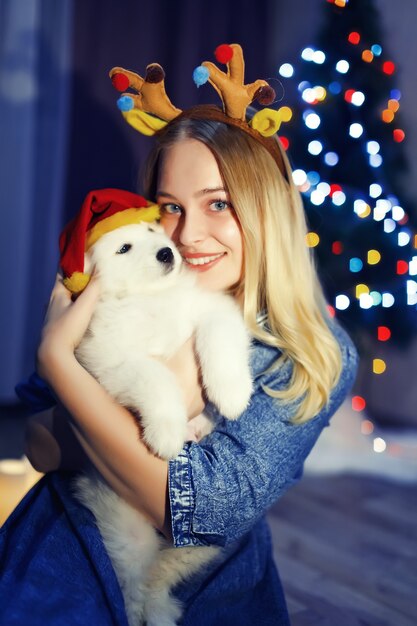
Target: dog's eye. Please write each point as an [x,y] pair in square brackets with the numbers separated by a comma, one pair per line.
[124,248]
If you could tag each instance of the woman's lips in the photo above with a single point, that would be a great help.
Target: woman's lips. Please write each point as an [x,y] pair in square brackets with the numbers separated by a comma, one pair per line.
[201,261]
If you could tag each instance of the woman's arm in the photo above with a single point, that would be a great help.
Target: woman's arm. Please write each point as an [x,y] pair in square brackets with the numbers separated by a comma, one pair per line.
[107,432]
[220,487]
[50,442]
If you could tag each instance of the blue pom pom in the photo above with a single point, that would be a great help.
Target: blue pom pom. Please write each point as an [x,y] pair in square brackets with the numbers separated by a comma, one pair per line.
[200,75]
[125,103]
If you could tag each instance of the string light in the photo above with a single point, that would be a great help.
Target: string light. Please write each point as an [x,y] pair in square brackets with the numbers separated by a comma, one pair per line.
[361,289]
[379,445]
[312,240]
[355,265]
[358,403]
[384,333]
[355,130]
[286,70]
[367,56]
[373,257]
[388,300]
[342,302]
[388,67]
[342,66]
[398,135]
[285,142]
[337,247]
[378,366]
[354,38]
[387,116]
[402,267]
[331,159]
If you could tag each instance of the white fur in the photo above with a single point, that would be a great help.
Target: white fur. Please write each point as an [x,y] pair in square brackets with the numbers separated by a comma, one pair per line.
[148,308]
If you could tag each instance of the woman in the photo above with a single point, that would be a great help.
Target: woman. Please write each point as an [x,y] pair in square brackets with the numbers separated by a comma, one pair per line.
[238,221]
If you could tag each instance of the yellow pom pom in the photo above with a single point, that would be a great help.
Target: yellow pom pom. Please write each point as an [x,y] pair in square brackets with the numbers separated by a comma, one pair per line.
[266,122]
[77,282]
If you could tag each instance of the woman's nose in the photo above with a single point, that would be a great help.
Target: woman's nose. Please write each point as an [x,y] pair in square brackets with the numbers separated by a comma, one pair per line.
[192,228]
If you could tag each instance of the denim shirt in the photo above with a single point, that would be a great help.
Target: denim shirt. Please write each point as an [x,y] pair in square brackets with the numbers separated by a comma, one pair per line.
[220,487]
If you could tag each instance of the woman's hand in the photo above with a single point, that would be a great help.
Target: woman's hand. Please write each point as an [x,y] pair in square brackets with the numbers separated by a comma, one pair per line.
[65,323]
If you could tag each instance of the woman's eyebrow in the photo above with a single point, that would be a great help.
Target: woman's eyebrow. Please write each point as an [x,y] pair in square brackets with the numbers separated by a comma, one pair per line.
[208,190]
[197,194]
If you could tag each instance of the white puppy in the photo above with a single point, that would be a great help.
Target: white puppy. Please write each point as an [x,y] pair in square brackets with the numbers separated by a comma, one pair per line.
[149,306]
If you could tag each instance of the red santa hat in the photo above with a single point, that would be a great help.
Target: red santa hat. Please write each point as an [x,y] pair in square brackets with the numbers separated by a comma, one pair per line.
[103,210]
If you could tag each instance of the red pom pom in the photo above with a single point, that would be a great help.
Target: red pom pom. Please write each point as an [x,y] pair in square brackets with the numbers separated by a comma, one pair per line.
[223,53]
[265,95]
[120,81]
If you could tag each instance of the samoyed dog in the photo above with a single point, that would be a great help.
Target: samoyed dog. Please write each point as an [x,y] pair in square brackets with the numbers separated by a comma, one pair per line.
[149,306]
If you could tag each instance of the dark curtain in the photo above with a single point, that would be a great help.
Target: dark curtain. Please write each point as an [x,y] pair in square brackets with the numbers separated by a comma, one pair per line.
[104,150]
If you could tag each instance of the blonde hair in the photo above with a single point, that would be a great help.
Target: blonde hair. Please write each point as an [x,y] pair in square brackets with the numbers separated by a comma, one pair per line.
[279,272]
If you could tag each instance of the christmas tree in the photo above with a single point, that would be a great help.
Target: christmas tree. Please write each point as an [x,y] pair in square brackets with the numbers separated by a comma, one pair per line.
[345,142]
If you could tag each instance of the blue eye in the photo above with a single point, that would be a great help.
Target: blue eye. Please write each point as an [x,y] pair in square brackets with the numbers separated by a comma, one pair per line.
[171,209]
[220,205]
[124,248]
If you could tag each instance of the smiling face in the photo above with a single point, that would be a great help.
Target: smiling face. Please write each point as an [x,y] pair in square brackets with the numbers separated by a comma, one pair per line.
[197,215]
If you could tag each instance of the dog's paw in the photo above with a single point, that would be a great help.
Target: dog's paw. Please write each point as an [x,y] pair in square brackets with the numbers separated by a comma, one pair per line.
[162,609]
[232,396]
[166,436]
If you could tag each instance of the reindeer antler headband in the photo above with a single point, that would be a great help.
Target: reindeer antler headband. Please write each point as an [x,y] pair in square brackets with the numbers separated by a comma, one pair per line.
[149,110]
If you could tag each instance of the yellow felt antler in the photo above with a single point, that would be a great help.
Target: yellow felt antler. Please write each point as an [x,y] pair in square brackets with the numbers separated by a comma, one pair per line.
[235,95]
[151,95]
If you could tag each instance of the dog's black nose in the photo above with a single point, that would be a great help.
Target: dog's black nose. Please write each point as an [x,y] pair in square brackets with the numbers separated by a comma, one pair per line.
[165,255]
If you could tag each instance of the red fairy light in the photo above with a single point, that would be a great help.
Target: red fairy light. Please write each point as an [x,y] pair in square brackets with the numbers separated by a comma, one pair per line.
[354,37]
[402,267]
[358,403]
[388,67]
[384,333]
[285,142]
[334,188]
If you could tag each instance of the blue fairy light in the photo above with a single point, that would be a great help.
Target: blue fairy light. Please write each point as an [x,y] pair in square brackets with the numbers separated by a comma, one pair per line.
[355,264]
[331,159]
[335,88]
[313,177]
[375,160]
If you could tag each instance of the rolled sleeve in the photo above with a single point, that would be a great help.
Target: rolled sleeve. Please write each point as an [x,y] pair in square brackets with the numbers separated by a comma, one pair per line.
[220,487]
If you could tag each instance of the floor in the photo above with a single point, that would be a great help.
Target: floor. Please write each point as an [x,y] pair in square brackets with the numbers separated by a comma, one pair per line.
[345,538]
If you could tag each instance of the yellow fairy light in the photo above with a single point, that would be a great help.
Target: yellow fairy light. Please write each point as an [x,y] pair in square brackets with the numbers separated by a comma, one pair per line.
[367,56]
[320,93]
[374,257]
[360,289]
[393,105]
[415,241]
[286,113]
[387,116]
[312,240]
[340,3]
[364,211]
[378,366]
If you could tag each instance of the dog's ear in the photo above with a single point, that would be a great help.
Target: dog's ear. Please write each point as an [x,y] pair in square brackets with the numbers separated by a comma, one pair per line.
[155,227]
[88,263]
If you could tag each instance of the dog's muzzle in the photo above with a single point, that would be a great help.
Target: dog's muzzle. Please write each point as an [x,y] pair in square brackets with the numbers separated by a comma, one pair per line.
[166,256]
